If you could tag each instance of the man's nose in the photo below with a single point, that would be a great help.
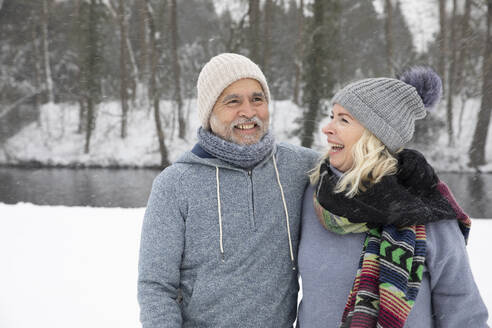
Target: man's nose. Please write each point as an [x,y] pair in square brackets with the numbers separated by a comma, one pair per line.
[247,110]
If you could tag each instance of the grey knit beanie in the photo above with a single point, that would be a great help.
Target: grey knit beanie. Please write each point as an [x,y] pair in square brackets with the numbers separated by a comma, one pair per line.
[389,107]
[218,74]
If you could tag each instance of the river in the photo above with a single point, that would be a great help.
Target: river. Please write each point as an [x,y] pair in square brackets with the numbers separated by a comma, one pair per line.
[131,187]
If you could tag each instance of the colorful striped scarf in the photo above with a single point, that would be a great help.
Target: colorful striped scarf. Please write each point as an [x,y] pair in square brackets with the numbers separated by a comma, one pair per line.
[390,267]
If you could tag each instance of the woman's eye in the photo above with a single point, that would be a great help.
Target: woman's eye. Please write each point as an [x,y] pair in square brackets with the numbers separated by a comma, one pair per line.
[331,116]
[344,120]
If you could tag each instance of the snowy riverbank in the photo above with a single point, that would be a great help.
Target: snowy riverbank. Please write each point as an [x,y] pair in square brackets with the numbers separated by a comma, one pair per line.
[77,266]
[55,141]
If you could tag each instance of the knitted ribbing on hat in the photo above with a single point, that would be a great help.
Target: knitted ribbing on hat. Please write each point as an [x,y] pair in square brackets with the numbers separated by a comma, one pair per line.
[244,156]
[386,107]
[218,74]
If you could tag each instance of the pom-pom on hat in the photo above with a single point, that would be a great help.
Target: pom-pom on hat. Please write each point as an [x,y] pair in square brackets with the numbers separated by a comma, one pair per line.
[218,74]
[389,107]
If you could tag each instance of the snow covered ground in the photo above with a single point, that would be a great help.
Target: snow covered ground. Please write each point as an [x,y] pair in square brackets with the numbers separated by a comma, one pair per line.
[77,266]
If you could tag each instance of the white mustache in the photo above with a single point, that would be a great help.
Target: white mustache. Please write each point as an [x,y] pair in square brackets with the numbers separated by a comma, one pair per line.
[242,120]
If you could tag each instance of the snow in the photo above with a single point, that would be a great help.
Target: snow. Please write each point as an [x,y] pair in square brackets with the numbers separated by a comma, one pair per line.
[56,141]
[422,17]
[77,266]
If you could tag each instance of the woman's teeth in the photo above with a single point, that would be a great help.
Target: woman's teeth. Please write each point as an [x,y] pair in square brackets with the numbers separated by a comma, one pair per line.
[337,147]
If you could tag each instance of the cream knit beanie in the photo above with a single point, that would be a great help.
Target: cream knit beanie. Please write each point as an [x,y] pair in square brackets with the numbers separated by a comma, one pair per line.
[218,74]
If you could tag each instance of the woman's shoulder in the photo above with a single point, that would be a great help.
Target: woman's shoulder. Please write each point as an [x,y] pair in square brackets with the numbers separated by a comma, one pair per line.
[445,242]
[445,232]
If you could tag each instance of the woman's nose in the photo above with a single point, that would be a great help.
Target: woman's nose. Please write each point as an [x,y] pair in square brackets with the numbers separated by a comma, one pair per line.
[328,129]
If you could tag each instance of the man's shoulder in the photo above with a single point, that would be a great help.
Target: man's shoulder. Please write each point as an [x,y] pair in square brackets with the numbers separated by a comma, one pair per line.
[172,174]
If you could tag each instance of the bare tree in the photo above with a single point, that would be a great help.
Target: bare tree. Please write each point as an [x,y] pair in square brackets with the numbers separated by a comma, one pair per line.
[254,30]
[37,66]
[153,83]
[477,148]
[442,41]
[81,64]
[176,69]
[388,28]
[123,67]
[464,41]
[451,77]
[142,38]
[46,52]
[267,35]
[299,51]
[91,80]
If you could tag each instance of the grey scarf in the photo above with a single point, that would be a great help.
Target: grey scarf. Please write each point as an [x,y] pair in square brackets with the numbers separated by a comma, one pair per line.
[244,156]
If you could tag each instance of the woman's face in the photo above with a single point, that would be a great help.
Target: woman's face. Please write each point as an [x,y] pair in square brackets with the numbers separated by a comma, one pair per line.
[343,132]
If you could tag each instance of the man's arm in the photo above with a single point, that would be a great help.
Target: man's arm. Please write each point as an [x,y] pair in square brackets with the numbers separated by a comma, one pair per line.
[161,248]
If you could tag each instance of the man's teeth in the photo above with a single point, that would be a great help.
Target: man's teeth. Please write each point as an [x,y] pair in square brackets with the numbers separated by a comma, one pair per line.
[245,126]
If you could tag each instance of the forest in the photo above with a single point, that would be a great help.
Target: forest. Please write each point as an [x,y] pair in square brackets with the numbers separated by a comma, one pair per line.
[145,55]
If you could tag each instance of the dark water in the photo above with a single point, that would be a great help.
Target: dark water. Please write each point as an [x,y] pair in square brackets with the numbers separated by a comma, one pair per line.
[131,188]
[77,187]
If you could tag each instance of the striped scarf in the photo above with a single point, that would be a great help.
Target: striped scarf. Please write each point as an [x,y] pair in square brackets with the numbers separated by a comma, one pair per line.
[390,267]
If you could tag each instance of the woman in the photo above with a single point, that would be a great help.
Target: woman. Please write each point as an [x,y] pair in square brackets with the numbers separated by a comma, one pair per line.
[370,196]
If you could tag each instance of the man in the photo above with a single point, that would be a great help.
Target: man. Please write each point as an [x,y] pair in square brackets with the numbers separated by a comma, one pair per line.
[220,233]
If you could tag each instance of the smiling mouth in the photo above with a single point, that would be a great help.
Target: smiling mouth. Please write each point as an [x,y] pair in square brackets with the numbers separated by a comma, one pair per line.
[335,147]
[246,126]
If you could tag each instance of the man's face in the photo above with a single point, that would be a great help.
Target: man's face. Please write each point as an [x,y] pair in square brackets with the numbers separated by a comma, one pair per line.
[240,114]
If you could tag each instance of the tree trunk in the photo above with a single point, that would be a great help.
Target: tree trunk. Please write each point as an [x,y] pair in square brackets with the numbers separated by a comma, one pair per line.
[92,85]
[313,83]
[46,53]
[142,38]
[464,44]
[37,67]
[477,148]
[177,70]
[443,49]
[123,68]
[153,85]
[388,8]
[254,30]
[81,73]
[299,52]
[451,78]
[267,36]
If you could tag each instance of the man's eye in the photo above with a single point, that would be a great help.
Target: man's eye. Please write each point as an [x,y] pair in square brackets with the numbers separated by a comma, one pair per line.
[232,101]
[257,99]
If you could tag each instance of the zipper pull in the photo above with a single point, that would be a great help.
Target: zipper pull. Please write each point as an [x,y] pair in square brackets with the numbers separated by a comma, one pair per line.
[249,172]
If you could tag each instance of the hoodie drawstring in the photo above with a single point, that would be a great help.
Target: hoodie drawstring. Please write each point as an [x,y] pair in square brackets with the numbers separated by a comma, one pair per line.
[285,210]
[220,212]
[286,213]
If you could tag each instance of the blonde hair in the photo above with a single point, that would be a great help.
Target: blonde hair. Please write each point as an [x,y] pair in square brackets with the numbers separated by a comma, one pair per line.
[372,161]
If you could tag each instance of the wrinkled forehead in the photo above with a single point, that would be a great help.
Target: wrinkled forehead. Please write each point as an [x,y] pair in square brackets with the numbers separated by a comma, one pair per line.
[241,88]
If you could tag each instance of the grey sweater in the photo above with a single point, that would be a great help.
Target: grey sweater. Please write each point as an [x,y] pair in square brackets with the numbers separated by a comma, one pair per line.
[448,296]
[253,283]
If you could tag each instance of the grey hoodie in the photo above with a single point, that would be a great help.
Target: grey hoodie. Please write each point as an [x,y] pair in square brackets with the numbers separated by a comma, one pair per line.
[234,269]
